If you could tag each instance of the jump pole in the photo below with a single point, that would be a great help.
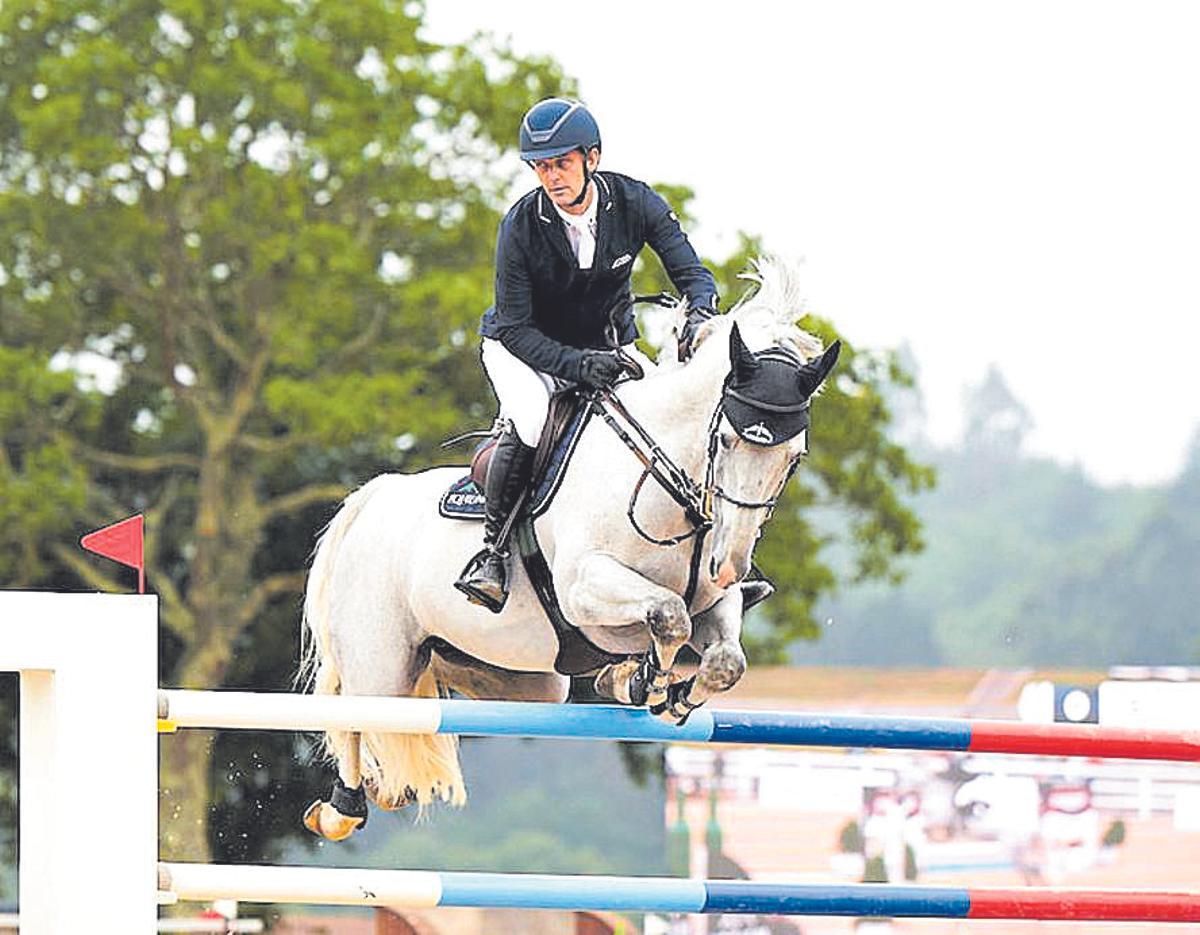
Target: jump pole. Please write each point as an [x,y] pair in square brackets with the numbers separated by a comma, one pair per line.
[87,664]
[432,889]
[286,711]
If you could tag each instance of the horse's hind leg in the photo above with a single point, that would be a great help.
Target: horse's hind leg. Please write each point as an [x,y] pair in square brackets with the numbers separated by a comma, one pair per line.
[605,593]
[346,810]
[393,770]
[476,679]
[401,769]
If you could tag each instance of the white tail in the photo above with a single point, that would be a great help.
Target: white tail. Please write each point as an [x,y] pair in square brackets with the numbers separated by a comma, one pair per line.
[395,767]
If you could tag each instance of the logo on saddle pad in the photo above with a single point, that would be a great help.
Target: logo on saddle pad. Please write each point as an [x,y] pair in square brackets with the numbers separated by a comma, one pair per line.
[621,261]
[758,433]
[468,499]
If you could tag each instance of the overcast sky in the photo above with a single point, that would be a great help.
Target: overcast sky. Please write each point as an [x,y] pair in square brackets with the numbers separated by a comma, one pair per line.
[1014,182]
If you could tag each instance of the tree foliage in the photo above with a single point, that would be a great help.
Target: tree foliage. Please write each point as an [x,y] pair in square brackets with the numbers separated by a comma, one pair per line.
[264,229]
[243,252]
[1030,563]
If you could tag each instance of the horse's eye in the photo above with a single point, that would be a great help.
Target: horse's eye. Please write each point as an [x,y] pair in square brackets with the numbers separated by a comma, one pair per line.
[727,440]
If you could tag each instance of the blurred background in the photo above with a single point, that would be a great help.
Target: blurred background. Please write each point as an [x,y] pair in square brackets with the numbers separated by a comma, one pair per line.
[244,248]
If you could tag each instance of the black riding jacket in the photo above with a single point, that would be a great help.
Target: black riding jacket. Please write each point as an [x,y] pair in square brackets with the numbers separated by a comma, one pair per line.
[548,309]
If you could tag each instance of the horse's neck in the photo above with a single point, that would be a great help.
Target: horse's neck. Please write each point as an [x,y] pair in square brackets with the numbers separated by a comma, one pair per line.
[676,407]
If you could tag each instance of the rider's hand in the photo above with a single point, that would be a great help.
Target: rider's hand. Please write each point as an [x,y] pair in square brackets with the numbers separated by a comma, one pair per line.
[695,318]
[600,369]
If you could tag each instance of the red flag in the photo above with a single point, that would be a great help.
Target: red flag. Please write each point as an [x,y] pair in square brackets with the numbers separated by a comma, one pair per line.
[122,542]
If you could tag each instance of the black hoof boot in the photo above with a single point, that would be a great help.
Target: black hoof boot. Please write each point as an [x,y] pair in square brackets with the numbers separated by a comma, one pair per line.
[485,580]
[755,592]
[677,707]
[350,802]
[341,816]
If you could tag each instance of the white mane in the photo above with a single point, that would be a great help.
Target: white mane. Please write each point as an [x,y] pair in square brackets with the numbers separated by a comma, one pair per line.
[768,315]
[778,288]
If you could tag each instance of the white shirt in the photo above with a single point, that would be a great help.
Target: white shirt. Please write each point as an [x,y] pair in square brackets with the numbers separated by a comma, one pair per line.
[581,231]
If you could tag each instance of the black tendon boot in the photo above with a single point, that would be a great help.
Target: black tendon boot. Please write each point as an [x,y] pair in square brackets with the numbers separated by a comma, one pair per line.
[485,579]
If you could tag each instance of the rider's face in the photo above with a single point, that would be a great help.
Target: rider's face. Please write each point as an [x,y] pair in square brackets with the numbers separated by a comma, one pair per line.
[562,177]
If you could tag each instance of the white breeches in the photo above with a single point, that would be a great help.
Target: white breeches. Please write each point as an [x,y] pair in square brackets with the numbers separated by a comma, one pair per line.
[524,393]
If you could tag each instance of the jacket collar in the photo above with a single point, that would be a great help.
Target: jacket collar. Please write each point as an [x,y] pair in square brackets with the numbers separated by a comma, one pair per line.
[604,191]
[558,231]
[555,229]
[545,210]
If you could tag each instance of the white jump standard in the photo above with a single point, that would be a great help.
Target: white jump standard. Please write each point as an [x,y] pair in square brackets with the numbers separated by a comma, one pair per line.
[76,713]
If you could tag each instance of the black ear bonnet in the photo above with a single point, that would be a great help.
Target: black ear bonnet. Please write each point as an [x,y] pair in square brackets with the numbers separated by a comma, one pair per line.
[767,394]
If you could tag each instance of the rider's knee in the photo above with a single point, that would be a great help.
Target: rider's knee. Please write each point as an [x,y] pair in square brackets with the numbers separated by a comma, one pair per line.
[529,421]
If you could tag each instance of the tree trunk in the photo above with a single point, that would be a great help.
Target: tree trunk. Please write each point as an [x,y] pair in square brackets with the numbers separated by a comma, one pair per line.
[228,532]
[184,795]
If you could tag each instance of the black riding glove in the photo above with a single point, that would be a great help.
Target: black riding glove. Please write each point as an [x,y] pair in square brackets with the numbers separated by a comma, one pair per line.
[695,318]
[600,369]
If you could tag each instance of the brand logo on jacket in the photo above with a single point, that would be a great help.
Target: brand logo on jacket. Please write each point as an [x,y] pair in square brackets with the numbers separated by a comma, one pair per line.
[621,260]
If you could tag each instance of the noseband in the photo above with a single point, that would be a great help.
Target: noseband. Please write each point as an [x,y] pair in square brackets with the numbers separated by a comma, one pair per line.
[712,490]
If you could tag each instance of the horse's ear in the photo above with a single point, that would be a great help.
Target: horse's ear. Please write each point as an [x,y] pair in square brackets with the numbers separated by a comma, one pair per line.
[814,372]
[740,357]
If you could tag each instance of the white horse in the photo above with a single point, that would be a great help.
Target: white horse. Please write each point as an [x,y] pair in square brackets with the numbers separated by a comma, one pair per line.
[383,617]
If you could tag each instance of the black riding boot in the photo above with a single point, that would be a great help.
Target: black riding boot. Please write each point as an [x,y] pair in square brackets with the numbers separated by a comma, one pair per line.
[485,579]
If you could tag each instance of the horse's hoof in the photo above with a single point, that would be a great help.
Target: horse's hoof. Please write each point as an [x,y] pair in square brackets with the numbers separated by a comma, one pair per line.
[755,592]
[667,716]
[669,713]
[656,701]
[614,680]
[676,706]
[323,819]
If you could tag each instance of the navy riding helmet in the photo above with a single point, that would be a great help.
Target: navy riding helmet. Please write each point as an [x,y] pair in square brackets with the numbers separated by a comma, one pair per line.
[555,127]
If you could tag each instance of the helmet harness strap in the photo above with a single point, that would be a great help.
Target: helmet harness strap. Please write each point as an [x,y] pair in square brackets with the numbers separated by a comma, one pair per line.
[587,178]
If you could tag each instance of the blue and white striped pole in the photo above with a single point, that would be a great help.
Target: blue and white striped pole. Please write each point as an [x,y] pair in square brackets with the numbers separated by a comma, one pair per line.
[283,711]
[431,889]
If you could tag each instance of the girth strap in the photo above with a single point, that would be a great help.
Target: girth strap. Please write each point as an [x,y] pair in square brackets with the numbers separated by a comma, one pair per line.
[576,653]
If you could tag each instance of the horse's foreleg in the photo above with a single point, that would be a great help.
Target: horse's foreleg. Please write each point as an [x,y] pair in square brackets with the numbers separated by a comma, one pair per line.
[605,593]
[346,810]
[716,634]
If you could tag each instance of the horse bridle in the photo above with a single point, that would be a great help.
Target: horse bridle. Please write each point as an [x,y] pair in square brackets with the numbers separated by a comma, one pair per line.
[696,500]
[713,490]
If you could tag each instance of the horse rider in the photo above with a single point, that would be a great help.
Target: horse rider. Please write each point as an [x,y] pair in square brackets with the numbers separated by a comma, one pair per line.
[564,260]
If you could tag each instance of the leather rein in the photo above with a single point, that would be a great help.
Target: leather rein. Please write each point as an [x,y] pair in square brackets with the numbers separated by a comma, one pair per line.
[696,501]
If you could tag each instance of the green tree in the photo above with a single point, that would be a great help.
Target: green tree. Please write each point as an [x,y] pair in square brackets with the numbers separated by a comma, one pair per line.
[243,251]
[263,231]
[997,422]
[1030,563]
